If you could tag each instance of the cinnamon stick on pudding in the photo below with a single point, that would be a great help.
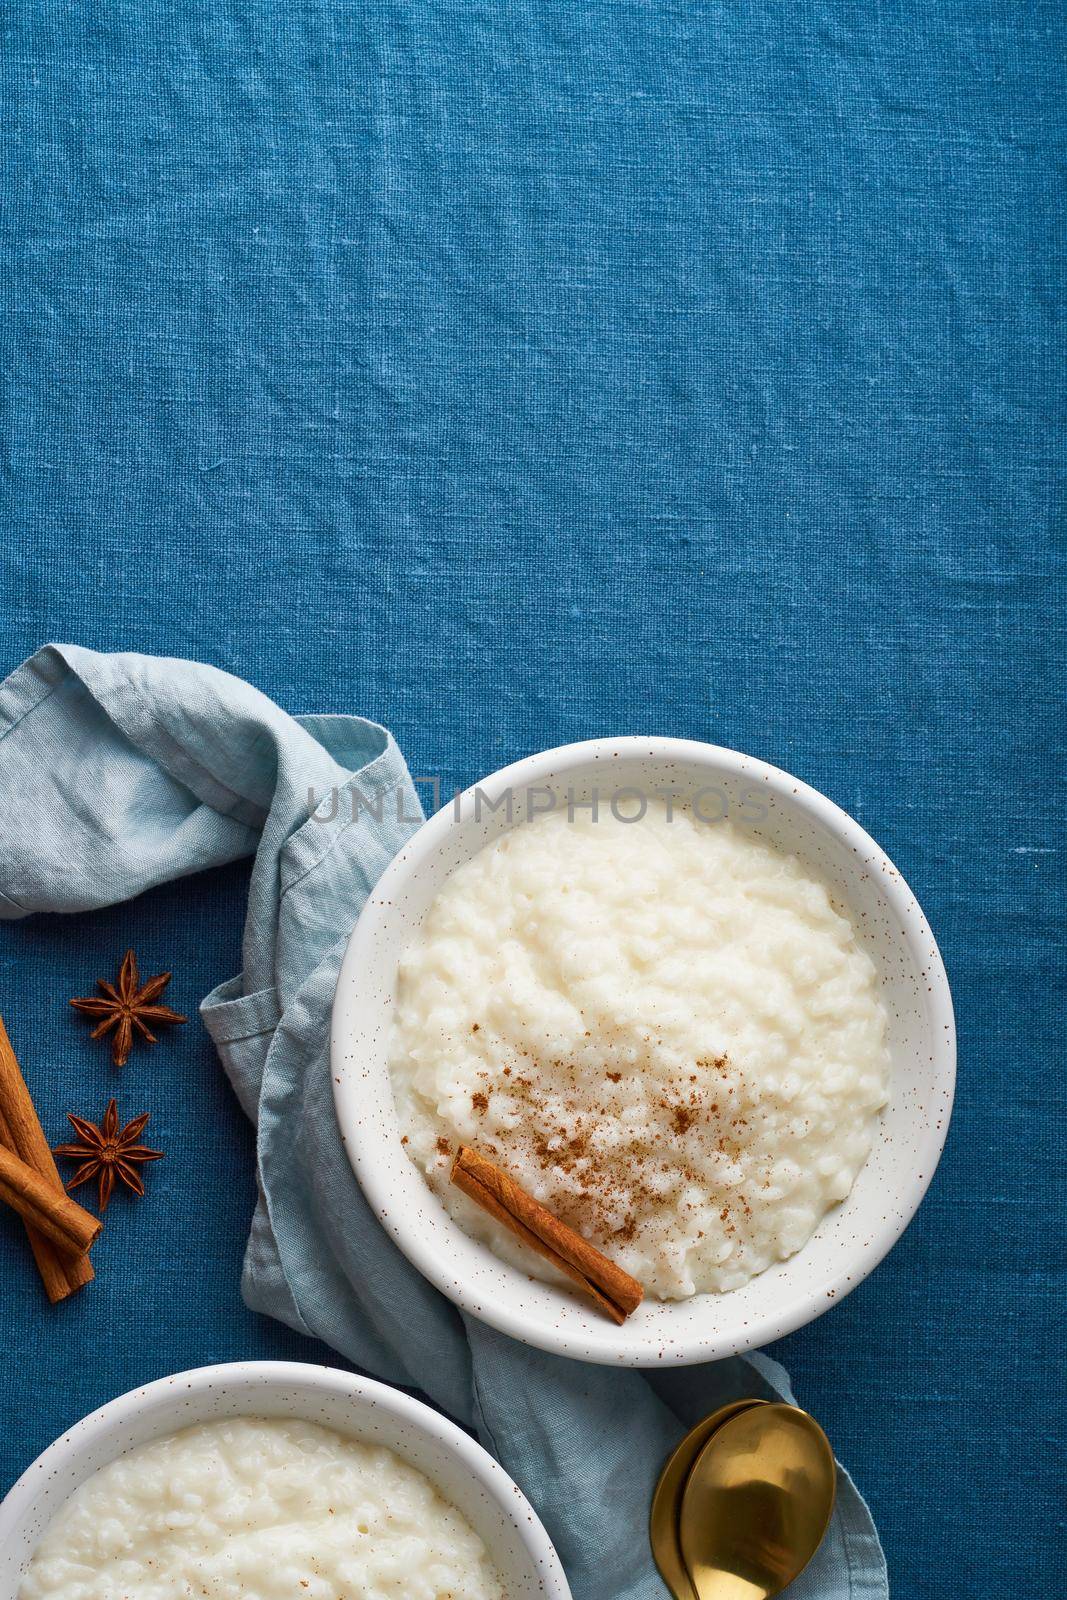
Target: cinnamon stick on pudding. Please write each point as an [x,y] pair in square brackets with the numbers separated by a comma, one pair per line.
[613,1290]
[21,1133]
[56,1216]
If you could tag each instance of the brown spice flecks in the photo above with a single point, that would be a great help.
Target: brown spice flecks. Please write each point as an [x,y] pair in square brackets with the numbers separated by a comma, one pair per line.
[601,1187]
[443,1147]
[475,1026]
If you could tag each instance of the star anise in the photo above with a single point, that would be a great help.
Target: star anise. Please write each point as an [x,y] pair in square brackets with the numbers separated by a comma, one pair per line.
[128,1006]
[107,1153]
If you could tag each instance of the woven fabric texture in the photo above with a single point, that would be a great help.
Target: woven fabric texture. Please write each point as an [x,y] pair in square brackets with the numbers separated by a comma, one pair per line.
[516,374]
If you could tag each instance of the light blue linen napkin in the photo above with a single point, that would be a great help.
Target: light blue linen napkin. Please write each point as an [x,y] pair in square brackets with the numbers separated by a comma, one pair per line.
[118,772]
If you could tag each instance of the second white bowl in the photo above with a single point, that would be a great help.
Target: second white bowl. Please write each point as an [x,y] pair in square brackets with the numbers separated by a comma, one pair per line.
[357,1407]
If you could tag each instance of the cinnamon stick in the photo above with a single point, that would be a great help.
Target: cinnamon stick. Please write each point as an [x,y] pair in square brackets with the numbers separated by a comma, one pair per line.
[57,1216]
[612,1289]
[21,1133]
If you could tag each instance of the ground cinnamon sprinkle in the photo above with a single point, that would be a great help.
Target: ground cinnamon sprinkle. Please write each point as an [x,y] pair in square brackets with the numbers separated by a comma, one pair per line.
[598,1190]
[603,1186]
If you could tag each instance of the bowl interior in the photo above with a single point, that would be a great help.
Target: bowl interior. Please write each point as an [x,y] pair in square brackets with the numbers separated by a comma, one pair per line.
[356,1407]
[774,807]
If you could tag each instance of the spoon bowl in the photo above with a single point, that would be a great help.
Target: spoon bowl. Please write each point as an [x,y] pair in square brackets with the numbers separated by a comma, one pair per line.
[756,1503]
[667,1499]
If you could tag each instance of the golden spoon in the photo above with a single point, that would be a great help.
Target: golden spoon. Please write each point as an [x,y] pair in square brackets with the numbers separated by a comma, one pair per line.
[663,1519]
[756,1504]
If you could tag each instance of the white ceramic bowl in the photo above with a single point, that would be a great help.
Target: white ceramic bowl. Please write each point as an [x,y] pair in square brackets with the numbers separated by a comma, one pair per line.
[357,1407]
[851,1239]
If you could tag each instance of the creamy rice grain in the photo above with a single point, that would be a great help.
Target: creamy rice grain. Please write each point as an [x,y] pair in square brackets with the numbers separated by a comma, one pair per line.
[259,1509]
[664,1030]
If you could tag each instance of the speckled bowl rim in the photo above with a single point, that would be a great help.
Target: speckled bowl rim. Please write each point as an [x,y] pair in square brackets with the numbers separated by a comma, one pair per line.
[594,1339]
[257,1378]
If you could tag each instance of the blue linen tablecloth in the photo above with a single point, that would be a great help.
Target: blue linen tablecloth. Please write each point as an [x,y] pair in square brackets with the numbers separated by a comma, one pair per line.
[516,375]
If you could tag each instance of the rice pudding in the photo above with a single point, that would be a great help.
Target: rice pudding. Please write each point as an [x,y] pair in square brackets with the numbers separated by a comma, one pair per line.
[665,1030]
[259,1507]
